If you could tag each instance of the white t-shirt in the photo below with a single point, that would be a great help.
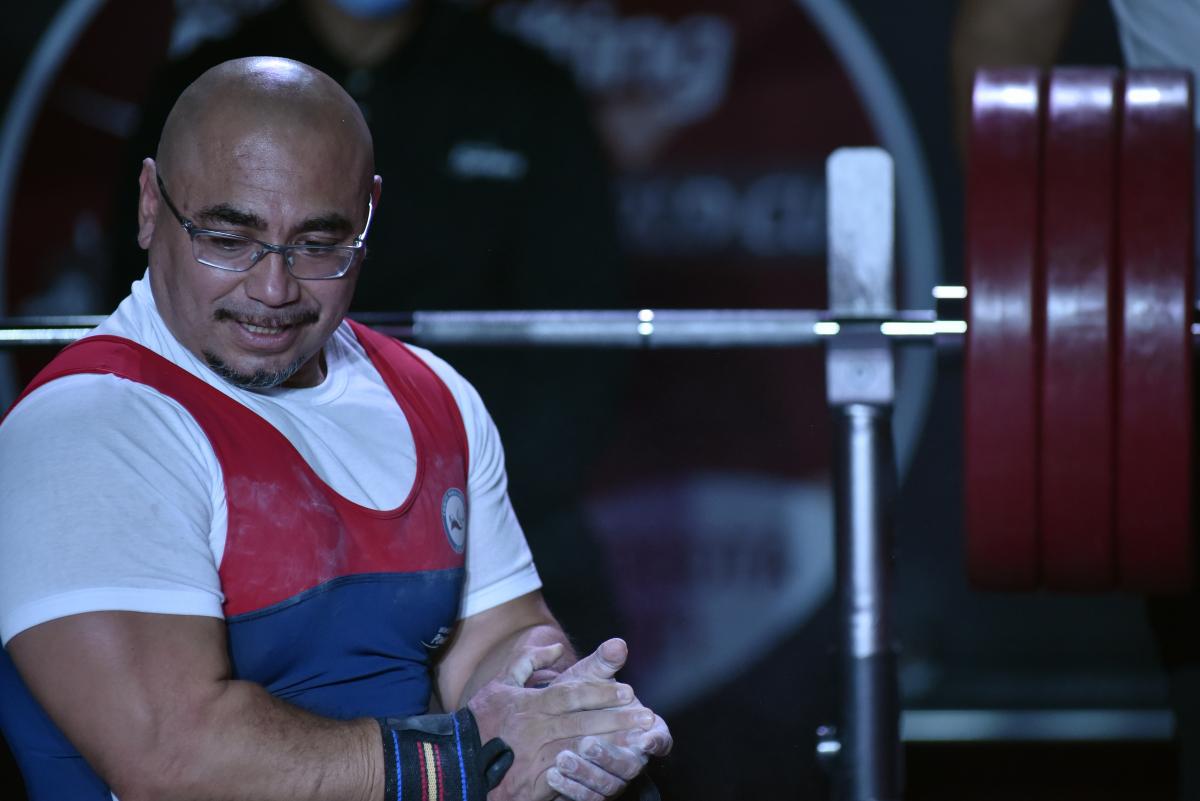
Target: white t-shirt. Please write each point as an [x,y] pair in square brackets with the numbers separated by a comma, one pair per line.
[113,499]
[1160,33]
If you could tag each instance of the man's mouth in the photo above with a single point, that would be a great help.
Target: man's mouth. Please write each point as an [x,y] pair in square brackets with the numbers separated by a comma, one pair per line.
[267,326]
[264,329]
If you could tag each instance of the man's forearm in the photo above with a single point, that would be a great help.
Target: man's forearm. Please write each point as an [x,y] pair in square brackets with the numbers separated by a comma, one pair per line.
[148,701]
[246,744]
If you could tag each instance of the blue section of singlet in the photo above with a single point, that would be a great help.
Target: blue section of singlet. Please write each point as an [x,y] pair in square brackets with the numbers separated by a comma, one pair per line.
[355,646]
[51,766]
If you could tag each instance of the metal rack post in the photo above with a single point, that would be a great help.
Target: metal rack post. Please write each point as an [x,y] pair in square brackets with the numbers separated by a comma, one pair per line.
[860,389]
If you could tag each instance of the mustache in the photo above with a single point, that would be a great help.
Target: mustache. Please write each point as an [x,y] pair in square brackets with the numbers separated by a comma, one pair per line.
[277,320]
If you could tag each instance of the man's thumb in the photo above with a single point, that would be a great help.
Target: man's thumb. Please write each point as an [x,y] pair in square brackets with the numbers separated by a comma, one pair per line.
[531,660]
[603,663]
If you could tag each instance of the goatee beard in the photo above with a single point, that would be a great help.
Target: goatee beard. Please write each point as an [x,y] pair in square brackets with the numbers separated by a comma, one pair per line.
[259,379]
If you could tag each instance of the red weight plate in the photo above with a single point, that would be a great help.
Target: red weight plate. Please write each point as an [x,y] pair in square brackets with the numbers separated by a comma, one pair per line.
[1001,374]
[1154,401]
[1079,202]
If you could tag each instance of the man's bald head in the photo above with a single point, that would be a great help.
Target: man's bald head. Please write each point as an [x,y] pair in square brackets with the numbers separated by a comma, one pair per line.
[271,96]
[273,151]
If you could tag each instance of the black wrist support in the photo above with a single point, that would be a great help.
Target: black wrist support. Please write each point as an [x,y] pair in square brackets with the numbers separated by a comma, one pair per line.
[440,758]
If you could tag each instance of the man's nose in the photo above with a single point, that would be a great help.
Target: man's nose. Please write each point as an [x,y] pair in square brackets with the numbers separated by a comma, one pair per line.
[270,283]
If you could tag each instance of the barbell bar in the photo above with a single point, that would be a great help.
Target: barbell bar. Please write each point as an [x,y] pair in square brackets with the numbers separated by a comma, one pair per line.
[641,328]
[628,328]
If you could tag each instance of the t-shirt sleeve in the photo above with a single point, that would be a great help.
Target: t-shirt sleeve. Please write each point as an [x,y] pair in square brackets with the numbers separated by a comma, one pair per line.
[499,563]
[107,488]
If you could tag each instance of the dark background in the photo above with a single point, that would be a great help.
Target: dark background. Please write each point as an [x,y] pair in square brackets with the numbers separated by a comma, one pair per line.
[747,729]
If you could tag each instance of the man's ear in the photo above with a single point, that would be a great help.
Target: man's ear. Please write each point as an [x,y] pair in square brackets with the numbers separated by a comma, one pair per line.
[147,202]
[376,191]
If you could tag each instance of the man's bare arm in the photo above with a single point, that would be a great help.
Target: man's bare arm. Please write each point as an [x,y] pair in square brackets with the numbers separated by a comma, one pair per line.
[149,701]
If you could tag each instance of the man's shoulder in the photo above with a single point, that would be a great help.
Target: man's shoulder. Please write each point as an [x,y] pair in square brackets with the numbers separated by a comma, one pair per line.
[88,402]
[89,423]
[83,389]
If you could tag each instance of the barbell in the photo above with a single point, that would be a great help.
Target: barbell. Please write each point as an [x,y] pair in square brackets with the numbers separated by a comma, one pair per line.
[1076,325]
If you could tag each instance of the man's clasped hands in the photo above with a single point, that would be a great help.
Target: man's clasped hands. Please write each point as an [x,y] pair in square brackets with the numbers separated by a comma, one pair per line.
[581,736]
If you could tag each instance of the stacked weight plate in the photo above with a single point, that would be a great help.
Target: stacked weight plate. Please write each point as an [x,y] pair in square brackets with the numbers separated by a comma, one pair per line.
[1078,385]
[1078,265]
[1155,219]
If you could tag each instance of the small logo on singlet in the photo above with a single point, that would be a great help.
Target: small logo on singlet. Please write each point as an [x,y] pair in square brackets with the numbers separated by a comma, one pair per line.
[454,518]
[439,639]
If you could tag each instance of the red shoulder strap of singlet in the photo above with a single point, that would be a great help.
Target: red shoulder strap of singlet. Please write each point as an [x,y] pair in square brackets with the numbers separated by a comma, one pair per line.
[103,354]
[394,360]
[112,355]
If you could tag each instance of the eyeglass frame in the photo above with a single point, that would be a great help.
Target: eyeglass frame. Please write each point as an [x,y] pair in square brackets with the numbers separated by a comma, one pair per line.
[266,247]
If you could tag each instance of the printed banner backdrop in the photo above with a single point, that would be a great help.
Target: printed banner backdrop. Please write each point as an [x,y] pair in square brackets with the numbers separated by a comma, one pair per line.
[60,142]
[713,503]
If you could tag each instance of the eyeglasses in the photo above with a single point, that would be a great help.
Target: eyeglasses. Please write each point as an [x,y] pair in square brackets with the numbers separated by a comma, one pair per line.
[237,253]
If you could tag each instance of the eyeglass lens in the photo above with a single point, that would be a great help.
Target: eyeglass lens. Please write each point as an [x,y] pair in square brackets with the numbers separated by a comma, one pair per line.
[236,253]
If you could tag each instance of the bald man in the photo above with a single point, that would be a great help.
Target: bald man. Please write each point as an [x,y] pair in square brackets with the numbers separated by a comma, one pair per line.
[248,545]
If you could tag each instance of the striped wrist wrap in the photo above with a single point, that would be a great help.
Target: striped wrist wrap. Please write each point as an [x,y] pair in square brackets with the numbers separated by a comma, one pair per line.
[440,758]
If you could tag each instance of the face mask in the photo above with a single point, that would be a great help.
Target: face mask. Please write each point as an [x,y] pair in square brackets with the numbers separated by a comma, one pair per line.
[372,9]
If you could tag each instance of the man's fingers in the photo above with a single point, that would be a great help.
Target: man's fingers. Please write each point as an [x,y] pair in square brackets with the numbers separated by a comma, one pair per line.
[574,696]
[569,788]
[529,661]
[624,763]
[656,741]
[580,771]
[541,789]
[585,772]
[603,663]
[574,725]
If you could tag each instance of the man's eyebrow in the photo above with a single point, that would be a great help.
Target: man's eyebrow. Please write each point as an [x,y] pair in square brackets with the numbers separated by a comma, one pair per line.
[332,223]
[229,215]
[225,213]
